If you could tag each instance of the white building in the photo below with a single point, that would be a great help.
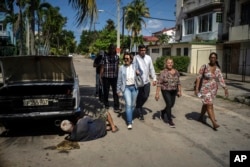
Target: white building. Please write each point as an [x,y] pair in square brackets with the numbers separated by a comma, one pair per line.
[222,26]
[198,30]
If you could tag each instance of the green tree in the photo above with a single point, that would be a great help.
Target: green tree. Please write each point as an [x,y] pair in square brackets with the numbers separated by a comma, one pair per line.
[86,39]
[93,41]
[41,12]
[10,18]
[163,39]
[134,14]
[86,10]
[52,26]
[106,36]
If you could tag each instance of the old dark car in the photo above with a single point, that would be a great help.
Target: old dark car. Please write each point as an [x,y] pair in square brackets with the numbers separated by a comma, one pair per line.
[38,87]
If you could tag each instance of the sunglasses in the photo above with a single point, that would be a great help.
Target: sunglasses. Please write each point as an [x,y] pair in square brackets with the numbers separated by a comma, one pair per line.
[126,59]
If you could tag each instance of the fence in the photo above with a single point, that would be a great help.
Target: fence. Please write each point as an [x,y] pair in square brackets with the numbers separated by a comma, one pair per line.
[235,62]
[7,50]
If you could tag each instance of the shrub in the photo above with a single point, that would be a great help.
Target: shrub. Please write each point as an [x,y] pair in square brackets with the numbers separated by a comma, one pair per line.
[180,63]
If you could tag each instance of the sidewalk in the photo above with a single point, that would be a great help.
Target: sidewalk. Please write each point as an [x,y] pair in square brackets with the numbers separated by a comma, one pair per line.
[235,88]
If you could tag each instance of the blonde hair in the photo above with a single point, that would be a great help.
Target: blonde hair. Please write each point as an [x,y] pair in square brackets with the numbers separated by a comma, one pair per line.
[167,59]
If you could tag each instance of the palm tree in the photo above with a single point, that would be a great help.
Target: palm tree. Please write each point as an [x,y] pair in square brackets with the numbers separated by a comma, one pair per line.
[163,39]
[134,14]
[41,12]
[32,7]
[52,25]
[10,16]
[20,25]
[86,9]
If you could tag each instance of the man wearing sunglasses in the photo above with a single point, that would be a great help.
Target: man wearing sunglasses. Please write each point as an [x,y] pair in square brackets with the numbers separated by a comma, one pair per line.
[146,65]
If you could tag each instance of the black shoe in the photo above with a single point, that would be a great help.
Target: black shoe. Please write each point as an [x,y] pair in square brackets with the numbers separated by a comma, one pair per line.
[141,117]
[117,110]
[162,115]
[171,124]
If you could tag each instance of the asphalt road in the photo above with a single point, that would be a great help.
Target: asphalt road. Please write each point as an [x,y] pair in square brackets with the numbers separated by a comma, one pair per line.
[151,143]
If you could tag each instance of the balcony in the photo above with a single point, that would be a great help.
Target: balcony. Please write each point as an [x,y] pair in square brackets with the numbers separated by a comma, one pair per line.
[197,6]
[239,33]
[3,33]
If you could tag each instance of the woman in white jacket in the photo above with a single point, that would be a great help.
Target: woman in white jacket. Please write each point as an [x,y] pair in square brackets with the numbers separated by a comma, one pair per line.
[126,85]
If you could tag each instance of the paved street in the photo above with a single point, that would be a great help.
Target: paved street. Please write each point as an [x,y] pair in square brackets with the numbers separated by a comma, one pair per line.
[151,142]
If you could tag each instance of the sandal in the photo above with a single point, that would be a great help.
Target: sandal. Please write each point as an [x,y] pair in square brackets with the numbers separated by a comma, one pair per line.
[116,129]
[108,128]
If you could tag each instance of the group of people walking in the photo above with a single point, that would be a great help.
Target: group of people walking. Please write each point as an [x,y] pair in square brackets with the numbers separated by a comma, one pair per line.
[122,80]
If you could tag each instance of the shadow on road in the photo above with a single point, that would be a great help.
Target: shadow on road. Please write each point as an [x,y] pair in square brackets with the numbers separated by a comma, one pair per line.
[33,128]
[195,116]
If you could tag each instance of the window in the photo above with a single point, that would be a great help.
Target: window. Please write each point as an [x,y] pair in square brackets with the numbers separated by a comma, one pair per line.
[205,23]
[245,14]
[189,26]
[232,6]
[219,17]
[1,27]
[185,51]
[166,51]
[156,50]
[178,51]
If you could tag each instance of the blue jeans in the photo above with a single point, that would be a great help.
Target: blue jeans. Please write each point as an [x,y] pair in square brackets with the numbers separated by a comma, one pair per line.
[130,95]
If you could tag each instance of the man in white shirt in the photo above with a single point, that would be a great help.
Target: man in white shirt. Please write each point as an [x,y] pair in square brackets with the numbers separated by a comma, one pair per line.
[147,69]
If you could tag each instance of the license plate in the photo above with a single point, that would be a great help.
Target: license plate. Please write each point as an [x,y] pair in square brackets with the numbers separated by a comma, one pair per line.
[35,102]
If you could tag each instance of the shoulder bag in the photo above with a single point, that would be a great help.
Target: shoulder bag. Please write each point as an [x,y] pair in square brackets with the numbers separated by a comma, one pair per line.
[138,78]
[201,80]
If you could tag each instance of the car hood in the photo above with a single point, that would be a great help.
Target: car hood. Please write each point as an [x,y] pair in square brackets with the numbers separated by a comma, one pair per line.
[36,69]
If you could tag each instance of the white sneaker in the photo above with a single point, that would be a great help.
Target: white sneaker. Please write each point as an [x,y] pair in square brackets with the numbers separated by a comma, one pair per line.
[130,126]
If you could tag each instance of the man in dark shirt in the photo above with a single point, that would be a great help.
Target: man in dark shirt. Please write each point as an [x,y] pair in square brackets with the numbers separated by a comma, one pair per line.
[109,74]
[88,128]
[97,65]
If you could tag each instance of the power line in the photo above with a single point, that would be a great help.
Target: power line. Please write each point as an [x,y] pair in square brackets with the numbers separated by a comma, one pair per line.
[159,19]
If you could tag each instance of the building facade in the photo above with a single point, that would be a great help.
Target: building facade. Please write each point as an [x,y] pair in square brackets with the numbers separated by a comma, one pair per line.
[156,48]
[222,26]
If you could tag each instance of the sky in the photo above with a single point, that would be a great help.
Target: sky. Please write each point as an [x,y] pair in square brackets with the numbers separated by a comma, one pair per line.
[163,9]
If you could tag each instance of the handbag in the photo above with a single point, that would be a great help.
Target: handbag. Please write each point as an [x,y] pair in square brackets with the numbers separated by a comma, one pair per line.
[139,81]
[201,80]
[138,78]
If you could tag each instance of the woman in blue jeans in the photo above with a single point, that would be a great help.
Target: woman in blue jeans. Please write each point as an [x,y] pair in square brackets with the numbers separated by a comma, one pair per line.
[126,86]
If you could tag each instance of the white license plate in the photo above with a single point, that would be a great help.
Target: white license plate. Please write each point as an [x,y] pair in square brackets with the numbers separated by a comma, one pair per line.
[35,102]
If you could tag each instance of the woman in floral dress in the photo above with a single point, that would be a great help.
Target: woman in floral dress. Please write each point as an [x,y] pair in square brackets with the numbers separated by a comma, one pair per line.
[212,75]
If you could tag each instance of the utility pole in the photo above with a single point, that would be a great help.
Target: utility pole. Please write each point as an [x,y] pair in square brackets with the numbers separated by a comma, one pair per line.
[118,28]
[123,13]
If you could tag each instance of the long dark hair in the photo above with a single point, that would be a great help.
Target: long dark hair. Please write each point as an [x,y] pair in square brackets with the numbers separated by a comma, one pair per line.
[217,63]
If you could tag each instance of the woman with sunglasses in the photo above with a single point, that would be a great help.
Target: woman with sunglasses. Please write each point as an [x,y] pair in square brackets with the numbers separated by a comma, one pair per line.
[126,86]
